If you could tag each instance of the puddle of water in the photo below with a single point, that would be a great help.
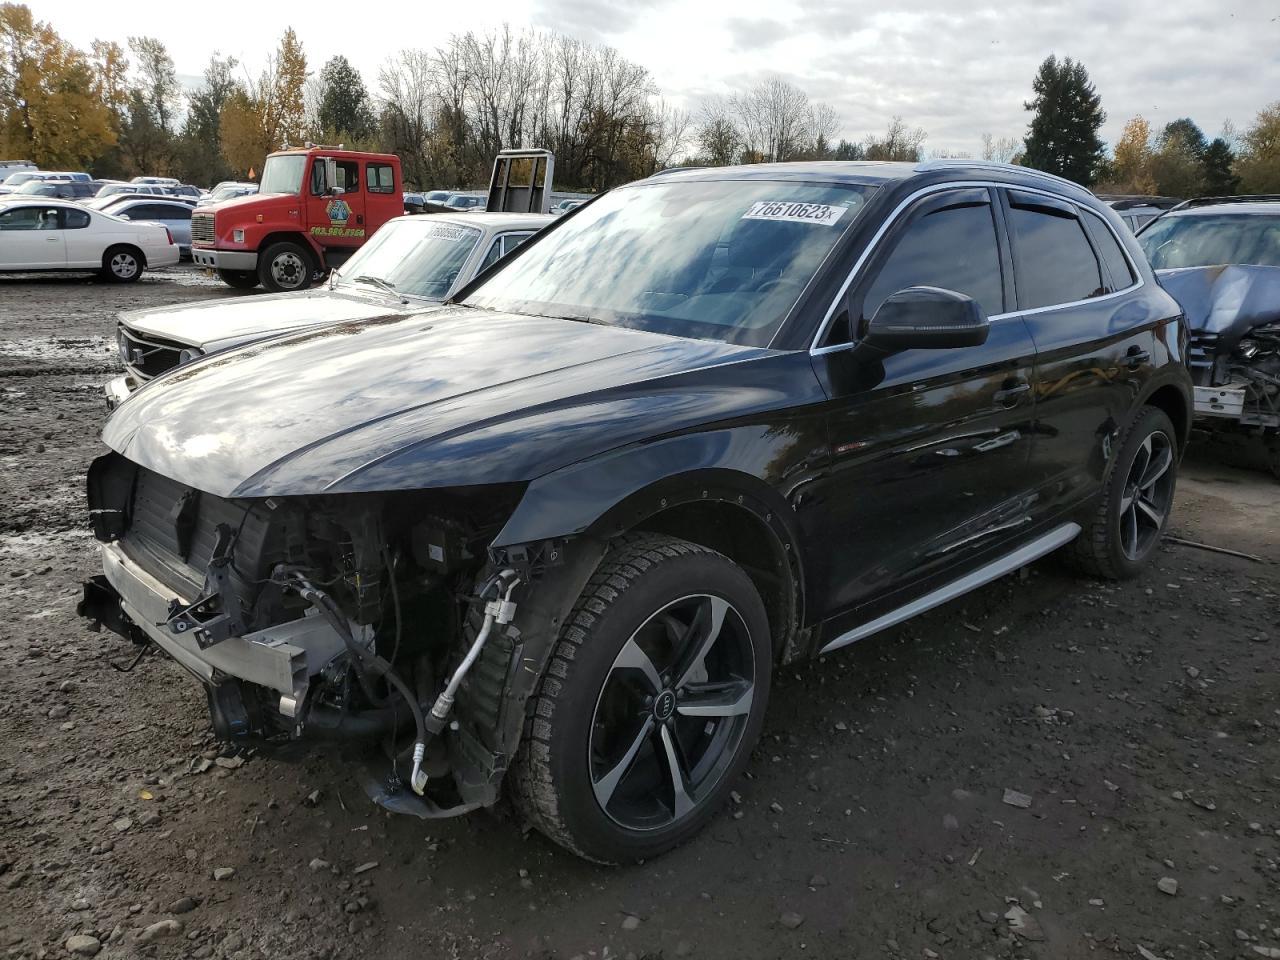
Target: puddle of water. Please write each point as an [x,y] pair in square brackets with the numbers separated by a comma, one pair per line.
[60,350]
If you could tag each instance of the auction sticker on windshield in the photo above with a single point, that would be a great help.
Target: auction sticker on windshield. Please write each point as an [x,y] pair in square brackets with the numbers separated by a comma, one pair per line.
[823,214]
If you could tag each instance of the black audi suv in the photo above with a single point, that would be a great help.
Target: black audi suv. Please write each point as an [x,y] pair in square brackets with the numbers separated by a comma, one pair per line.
[555,537]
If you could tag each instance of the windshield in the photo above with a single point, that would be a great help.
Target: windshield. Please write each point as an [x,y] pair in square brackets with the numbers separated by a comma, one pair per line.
[417,257]
[723,260]
[1205,240]
[15,179]
[283,174]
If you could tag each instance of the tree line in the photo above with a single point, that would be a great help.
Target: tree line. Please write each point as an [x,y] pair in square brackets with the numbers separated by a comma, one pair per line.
[119,110]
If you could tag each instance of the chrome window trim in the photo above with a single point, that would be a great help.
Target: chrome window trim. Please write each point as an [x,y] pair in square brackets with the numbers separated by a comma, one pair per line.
[815,350]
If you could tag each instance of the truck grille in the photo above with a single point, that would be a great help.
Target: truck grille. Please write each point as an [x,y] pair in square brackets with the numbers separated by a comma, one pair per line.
[147,357]
[154,542]
[202,228]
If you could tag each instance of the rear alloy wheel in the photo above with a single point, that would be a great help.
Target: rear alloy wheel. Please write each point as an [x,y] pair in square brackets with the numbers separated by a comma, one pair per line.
[286,266]
[240,279]
[122,265]
[1137,499]
[652,702]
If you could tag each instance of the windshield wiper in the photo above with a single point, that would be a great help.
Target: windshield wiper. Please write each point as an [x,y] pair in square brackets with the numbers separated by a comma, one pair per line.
[579,318]
[379,282]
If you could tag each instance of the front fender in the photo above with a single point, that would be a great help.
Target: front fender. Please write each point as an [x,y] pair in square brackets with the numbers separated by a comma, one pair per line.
[757,466]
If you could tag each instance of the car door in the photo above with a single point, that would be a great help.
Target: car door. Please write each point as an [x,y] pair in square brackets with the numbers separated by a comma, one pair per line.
[81,245]
[930,449]
[1093,343]
[30,238]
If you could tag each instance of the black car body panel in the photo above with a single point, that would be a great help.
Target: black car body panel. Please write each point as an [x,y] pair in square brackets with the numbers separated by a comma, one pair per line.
[847,480]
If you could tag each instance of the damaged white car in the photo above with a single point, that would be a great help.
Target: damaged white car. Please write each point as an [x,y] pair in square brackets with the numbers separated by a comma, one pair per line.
[411,263]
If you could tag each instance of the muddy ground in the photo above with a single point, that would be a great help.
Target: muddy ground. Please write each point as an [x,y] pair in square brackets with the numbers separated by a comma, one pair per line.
[1142,720]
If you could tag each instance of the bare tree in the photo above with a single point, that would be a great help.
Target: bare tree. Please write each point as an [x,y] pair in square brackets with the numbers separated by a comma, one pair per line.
[898,143]
[1001,150]
[718,137]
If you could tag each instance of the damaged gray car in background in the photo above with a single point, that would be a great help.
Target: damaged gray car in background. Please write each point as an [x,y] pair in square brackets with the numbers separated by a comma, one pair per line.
[1220,258]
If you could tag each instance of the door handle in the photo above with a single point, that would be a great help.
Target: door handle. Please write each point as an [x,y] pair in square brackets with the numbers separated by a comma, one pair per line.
[1136,357]
[1011,394]
[50,239]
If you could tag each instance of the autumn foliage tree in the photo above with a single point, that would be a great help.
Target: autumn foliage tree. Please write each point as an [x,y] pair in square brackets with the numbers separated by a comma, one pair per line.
[268,112]
[1259,162]
[50,108]
[1131,169]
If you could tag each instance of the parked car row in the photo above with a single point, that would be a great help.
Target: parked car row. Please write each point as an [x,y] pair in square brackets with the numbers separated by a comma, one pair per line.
[552,538]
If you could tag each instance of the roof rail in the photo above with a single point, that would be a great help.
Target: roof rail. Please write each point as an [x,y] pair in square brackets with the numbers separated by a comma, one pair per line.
[1127,201]
[942,162]
[663,172]
[1243,198]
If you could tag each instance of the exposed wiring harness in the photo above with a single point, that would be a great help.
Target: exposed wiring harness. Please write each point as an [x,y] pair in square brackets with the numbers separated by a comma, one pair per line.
[499,608]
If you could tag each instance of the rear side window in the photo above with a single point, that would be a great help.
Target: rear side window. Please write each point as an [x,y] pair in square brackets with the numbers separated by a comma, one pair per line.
[1113,257]
[74,219]
[1054,260]
[380,177]
[953,248]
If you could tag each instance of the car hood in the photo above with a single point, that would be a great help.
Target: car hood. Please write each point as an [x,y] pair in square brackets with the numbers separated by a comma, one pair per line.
[1225,301]
[218,324]
[453,397]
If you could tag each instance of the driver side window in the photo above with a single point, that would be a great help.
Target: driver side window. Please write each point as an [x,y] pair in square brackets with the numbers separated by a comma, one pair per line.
[953,248]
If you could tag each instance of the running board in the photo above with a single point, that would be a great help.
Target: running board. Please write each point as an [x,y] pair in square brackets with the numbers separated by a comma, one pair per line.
[971,581]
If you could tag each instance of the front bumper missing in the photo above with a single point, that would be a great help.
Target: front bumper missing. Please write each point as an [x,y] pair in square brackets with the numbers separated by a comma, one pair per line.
[282,658]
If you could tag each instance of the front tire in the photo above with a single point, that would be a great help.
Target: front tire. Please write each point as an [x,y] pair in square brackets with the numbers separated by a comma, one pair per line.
[122,264]
[1137,498]
[651,704]
[240,279]
[286,266]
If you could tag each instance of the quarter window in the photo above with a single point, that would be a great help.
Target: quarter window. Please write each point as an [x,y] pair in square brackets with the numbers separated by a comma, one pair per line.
[74,219]
[953,248]
[1109,249]
[1054,259]
[380,177]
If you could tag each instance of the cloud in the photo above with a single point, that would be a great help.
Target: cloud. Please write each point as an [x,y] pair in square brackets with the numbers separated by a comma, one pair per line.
[756,33]
[597,21]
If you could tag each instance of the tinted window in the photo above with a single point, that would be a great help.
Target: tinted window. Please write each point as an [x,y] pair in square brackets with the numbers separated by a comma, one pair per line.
[380,178]
[513,240]
[1055,262]
[494,252]
[1109,248]
[74,219]
[954,249]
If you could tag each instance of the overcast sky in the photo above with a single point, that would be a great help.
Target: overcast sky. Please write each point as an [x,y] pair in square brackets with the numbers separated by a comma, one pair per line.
[955,69]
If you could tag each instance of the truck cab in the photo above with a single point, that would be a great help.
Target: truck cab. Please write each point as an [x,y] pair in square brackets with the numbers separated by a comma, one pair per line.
[314,207]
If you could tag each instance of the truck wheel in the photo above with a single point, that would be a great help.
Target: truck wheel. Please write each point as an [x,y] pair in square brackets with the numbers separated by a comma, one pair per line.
[1137,498]
[651,704]
[122,264]
[286,266]
[240,279]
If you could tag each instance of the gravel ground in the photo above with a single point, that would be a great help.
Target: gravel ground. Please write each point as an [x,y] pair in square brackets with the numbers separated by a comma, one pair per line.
[1049,768]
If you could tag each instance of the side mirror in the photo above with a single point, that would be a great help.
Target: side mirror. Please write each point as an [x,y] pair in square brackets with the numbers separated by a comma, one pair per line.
[927,318]
[330,176]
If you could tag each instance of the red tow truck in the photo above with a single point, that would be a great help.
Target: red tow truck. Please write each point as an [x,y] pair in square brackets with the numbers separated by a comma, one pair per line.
[314,207]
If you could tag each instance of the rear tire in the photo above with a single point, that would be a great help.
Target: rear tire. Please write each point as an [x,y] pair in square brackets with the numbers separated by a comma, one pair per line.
[661,672]
[1137,498]
[122,264]
[286,266]
[240,279]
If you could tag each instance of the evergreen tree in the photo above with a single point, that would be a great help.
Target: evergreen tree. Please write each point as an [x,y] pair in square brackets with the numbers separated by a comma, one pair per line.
[200,150]
[1063,135]
[344,109]
[1188,134]
[1218,178]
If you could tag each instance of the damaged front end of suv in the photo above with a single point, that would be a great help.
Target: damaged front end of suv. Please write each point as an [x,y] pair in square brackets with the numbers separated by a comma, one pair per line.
[381,620]
[1234,315]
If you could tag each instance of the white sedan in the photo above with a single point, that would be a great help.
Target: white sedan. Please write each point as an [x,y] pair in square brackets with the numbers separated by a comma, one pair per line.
[44,234]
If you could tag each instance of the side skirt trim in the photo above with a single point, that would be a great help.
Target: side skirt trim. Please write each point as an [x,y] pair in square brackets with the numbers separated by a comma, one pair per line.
[971,581]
